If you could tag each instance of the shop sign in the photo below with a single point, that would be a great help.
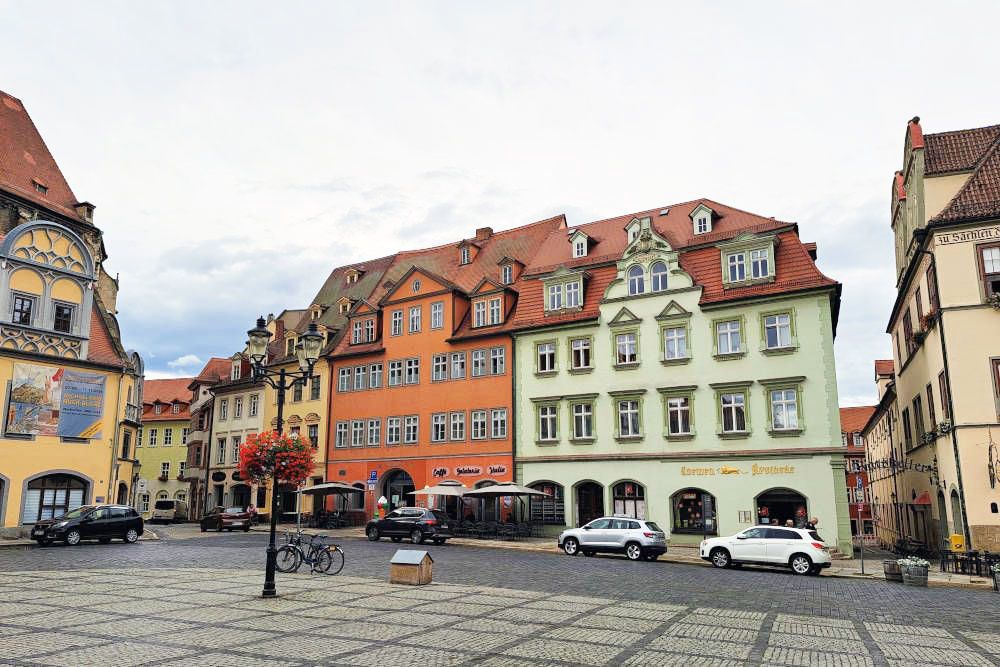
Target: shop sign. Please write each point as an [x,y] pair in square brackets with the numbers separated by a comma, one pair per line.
[968,236]
[439,473]
[687,471]
[466,471]
[218,476]
[498,469]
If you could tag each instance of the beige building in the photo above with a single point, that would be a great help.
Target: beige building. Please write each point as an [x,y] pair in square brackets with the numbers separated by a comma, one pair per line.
[238,413]
[945,328]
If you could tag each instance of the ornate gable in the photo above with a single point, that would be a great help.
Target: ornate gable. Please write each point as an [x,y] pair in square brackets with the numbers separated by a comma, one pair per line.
[625,317]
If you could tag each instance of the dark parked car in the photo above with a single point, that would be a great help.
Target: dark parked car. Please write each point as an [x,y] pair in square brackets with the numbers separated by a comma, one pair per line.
[90,522]
[417,523]
[228,518]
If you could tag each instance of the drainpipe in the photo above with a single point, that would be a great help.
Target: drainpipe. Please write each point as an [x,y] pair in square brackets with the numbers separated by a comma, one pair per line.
[112,475]
[951,403]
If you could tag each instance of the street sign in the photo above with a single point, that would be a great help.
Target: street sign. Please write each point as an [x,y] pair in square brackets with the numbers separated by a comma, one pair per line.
[861,482]
[373,476]
[371,486]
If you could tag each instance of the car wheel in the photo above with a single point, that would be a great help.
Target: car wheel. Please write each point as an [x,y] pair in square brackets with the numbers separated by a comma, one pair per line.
[104,540]
[588,554]
[246,529]
[372,533]
[72,538]
[720,558]
[633,551]
[131,536]
[396,539]
[571,546]
[417,536]
[801,564]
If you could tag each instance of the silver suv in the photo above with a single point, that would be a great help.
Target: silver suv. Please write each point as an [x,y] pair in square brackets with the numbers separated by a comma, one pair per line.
[636,538]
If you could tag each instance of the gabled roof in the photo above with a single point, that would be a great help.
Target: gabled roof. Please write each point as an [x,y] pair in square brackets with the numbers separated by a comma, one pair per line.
[404,279]
[884,367]
[25,158]
[979,198]
[216,369]
[853,420]
[958,150]
[166,391]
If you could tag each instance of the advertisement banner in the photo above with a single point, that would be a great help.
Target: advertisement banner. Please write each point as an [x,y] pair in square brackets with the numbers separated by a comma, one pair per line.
[54,401]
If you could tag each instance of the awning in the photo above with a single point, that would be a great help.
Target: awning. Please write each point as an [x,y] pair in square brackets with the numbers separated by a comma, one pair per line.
[330,487]
[504,490]
[441,490]
[923,499]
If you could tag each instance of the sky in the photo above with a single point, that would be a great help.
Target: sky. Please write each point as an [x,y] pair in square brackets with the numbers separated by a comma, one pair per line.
[238,151]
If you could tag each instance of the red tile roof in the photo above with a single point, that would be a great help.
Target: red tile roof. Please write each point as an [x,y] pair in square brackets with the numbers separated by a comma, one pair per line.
[217,368]
[958,150]
[166,391]
[853,420]
[25,159]
[884,367]
[531,304]
[979,198]
[102,348]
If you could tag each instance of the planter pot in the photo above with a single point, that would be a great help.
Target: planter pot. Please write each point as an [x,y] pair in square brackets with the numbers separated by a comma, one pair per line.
[914,576]
[891,569]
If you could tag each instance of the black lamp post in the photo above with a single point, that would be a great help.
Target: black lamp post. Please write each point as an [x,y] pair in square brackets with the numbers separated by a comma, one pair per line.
[307,351]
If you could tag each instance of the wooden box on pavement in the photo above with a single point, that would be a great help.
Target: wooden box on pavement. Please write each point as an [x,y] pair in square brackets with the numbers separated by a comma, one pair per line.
[410,566]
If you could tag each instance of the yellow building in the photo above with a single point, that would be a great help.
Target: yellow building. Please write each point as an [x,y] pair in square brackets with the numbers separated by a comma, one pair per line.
[161,447]
[945,328]
[72,393]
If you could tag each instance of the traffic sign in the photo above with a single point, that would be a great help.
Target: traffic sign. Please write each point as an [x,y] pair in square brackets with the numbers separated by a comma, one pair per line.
[861,482]
[373,476]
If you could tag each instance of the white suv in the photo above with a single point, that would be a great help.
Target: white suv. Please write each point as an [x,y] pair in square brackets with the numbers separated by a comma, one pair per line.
[636,538]
[802,550]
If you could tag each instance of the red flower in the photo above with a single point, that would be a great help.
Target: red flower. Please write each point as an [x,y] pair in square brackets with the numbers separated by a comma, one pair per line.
[268,455]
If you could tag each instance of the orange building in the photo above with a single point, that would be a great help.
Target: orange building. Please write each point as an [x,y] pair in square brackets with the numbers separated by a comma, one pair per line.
[423,379]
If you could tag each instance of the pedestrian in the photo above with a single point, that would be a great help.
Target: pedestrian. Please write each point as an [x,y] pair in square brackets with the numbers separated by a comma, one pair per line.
[252,511]
[811,523]
[774,522]
[789,523]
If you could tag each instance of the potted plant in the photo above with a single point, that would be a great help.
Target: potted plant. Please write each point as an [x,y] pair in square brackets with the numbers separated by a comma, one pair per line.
[919,336]
[994,300]
[162,478]
[891,569]
[944,426]
[928,321]
[914,570]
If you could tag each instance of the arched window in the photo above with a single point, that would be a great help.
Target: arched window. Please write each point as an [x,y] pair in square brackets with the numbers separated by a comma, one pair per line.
[694,512]
[162,495]
[550,509]
[957,525]
[630,500]
[181,496]
[636,280]
[658,276]
[53,495]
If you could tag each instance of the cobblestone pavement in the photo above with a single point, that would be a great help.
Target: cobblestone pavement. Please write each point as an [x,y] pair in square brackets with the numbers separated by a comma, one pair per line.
[195,602]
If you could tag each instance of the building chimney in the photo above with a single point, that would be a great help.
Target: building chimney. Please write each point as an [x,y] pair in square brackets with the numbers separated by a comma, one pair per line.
[85,210]
[484,233]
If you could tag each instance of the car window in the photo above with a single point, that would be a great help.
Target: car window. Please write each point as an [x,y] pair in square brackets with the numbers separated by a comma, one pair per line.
[632,525]
[395,514]
[618,524]
[652,526]
[599,523]
[101,513]
[781,534]
[813,534]
[753,533]
[119,513]
[77,513]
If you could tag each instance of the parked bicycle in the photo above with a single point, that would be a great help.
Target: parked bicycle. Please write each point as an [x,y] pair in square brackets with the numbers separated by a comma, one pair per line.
[321,557]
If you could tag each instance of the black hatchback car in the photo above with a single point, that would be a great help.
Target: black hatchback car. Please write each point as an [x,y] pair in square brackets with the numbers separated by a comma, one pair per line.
[90,522]
[417,523]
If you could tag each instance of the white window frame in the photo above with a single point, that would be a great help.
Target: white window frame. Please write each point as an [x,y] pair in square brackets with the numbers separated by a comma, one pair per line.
[439,367]
[396,373]
[396,323]
[479,313]
[729,332]
[358,433]
[628,409]
[658,280]
[480,426]
[583,421]
[456,431]
[415,315]
[375,375]
[411,429]
[580,248]
[507,274]
[369,329]
[545,357]
[679,406]
[342,435]
[626,348]
[554,299]
[439,427]
[781,324]
[254,405]
[168,437]
[675,343]
[356,329]
[498,361]
[498,423]
[760,263]
[737,402]
[393,431]
[784,408]
[374,432]
[637,282]
[458,365]
[437,315]
[548,423]
[495,308]
[578,348]
[411,374]
[736,266]
[360,378]
[572,293]
[478,363]
[344,379]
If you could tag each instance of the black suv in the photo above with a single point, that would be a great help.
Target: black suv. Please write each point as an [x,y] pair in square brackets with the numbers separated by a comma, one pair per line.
[90,522]
[417,523]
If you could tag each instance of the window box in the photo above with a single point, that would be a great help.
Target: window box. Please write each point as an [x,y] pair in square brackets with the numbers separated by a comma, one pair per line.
[163,478]
[776,351]
[627,367]
[929,437]
[676,362]
[582,441]
[944,426]
[579,371]
[784,432]
[625,439]
[929,321]
[729,356]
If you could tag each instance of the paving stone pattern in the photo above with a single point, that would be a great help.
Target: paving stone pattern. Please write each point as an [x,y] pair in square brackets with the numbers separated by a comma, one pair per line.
[202,616]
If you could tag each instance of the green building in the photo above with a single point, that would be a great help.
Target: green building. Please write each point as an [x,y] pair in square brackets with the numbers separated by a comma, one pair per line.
[677,365]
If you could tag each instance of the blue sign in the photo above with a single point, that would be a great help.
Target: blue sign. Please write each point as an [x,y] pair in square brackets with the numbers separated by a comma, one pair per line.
[861,482]
[82,405]
[373,476]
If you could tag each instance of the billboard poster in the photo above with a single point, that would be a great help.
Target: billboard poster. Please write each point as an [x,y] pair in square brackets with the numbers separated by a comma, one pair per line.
[53,401]
[82,405]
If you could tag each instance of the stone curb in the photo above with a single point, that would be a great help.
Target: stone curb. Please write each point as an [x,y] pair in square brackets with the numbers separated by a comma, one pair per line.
[147,536]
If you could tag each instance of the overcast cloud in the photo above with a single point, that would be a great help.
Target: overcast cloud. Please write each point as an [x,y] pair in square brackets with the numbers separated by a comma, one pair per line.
[236,152]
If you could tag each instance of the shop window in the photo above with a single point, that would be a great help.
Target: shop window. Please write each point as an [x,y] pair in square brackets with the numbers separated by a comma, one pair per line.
[630,500]
[779,506]
[694,511]
[51,496]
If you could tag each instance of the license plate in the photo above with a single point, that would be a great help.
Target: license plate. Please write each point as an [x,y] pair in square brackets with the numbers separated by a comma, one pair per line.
[237,523]
[38,531]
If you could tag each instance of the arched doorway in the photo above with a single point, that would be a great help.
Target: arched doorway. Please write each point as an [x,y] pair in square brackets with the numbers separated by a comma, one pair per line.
[396,488]
[693,511]
[589,502]
[53,495]
[630,499]
[957,525]
[779,506]
[122,498]
[240,495]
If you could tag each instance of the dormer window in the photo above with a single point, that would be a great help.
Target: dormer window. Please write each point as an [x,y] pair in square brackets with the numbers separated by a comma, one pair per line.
[633,233]
[157,409]
[507,274]
[289,347]
[369,330]
[748,261]
[344,306]
[175,407]
[701,218]
[235,374]
[580,248]
[566,294]
[465,256]
[40,187]
[314,314]
[352,276]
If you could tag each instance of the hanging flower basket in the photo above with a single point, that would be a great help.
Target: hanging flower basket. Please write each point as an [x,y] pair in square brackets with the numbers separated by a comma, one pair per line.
[287,459]
[892,572]
[914,571]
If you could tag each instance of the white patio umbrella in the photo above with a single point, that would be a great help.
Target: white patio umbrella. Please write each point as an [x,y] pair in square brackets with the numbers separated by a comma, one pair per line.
[500,490]
[441,490]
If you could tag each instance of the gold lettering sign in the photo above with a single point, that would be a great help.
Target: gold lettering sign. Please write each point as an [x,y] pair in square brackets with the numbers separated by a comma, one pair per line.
[773,470]
[687,472]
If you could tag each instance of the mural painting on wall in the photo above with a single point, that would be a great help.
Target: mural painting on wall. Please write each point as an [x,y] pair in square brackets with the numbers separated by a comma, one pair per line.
[55,401]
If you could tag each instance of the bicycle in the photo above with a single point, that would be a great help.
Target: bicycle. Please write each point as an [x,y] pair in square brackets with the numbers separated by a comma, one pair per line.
[320,557]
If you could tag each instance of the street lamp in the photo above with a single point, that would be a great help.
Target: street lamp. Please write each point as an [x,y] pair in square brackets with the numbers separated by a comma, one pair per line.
[307,352]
